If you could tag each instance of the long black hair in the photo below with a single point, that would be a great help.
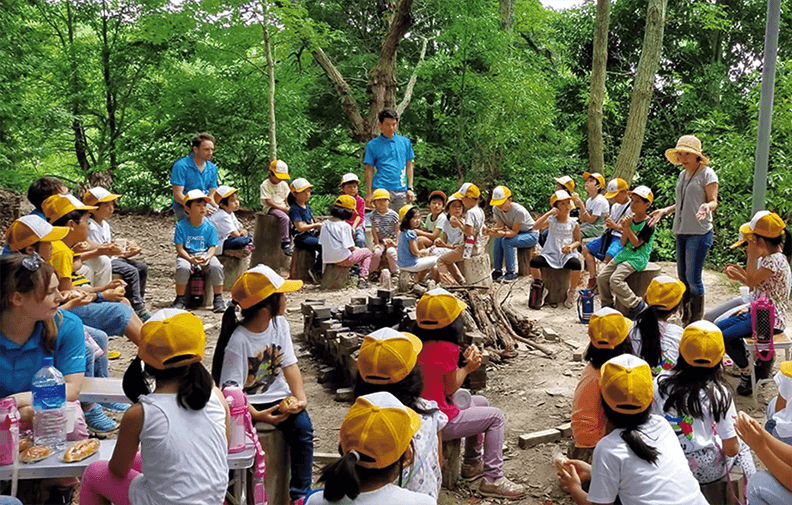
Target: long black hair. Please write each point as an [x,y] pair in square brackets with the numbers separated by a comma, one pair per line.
[786,238]
[685,386]
[451,333]
[404,225]
[648,325]
[341,213]
[631,424]
[407,391]
[598,357]
[345,478]
[230,323]
[195,383]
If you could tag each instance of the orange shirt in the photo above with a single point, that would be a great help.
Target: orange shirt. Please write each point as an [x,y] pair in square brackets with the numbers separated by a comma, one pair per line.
[588,418]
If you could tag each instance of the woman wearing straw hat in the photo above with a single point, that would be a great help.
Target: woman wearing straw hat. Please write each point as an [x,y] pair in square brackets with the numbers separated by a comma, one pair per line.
[696,200]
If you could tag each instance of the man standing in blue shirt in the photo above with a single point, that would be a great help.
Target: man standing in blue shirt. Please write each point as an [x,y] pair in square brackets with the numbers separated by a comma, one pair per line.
[390,155]
[194,171]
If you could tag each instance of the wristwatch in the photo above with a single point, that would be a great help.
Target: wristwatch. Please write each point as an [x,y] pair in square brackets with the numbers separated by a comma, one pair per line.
[409,188]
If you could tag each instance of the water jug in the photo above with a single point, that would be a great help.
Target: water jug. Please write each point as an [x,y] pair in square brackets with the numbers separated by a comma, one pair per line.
[237,405]
[585,305]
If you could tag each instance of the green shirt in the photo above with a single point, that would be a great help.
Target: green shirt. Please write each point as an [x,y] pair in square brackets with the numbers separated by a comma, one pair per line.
[638,257]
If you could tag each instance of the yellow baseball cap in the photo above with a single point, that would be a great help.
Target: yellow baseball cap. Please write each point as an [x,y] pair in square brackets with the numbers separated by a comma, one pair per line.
[644,192]
[456,197]
[223,192]
[689,144]
[300,185]
[27,230]
[437,309]
[469,190]
[280,168]
[171,333]
[380,194]
[350,177]
[626,384]
[98,194]
[195,194]
[57,206]
[346,202]
[745,230]
[567,182]
[559,195]
[499,195]
[608,328]
[388,356]
[598,176]
[616,186]
[665,292]
[767,224]
[258,283]
[404,210]
[786,368]
[378,427]
[702,344]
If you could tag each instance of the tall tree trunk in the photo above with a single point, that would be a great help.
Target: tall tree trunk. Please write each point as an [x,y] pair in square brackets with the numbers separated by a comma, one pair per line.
[506,14]
[271,74]
[80,140]
[597,95]
[104,178]
[627,161]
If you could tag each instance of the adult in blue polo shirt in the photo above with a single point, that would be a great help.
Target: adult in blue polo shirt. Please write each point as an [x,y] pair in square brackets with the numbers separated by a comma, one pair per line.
[194,171]
[390,155]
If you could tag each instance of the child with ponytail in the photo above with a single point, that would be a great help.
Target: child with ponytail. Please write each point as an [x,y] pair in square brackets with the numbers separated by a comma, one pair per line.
[256,354]
[640,461]
[653,338]
[181,427]
[375,445]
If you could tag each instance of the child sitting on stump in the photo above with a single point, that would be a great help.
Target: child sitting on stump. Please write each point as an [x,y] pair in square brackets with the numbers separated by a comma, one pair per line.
[432,227]
[338,246]
[274,191]
[350,185]
[231,235]
[307,229]
[593,212]
[514,229]
[474,222]
[608,245]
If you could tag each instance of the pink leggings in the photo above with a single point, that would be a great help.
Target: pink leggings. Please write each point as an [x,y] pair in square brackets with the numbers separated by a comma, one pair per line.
[100,485]
[283,222]
[362,256]
[480,418]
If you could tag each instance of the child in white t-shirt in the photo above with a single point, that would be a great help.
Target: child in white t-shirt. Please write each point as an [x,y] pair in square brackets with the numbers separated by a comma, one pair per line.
[592,214]
[274,192]
[474,222]
[232,238]
[338,245]
[653,338]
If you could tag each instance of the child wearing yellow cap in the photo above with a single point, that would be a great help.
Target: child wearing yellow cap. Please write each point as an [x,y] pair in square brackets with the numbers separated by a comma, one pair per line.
[384,230]
[350,185]
[693,396]
[767,274]
[232,238]
[607,331]
[338,244]
[375,445]
[653,338]
[388,361]
[593,212]
[274,191]
[180,429]
[471,228]
[640,460]
[410,257]
[440,325]
[514,229]
[608,244]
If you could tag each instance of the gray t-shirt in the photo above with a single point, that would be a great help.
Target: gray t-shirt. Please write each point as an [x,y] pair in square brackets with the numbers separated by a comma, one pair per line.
[690,194]
[516,214]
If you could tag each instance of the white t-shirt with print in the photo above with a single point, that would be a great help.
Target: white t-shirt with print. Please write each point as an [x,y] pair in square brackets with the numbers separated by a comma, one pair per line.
[617,471]
[670,335]
[389,494]
[776,287]
[335,238]
[424,475]
[225,223]
[255,361]
[696,434]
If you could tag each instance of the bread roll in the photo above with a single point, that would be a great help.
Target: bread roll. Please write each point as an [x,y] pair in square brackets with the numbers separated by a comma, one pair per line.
[35,453]
[81,450]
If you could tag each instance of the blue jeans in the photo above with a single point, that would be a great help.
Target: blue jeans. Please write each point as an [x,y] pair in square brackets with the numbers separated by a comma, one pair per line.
[360,237]
[298,431]
[764,489]
[735,329]
[99,367]
[9,500]
[504,247]
[691,252]
[237,242]
[112,318]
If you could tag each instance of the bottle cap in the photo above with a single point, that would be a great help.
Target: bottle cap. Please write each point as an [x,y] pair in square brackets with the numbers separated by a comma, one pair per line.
[47,361]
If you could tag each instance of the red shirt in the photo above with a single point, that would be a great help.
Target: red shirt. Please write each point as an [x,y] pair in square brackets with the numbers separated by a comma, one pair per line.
[360,212]
[437,360]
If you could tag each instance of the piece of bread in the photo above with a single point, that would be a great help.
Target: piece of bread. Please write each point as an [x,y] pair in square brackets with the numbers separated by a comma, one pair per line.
[35,453]
[24,443]
[287,403]
[81,450]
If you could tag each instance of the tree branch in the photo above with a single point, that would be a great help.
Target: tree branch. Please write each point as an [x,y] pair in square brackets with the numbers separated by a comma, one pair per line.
[344,93]
[408,91]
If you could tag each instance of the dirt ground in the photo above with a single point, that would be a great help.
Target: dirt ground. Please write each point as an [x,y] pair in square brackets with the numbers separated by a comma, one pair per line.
[534,391]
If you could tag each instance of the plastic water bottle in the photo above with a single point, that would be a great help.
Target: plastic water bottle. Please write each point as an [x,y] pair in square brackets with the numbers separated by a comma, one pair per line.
[49,406]
[468,251]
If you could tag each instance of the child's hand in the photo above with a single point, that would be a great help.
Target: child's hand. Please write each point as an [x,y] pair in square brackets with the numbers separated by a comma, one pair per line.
[472,358]
[297,407]
[80,247]
[112,296]
[115,283]
[553,211]
[268,416]
[390,242]
[625,223]
[456,222]
[423,252]
[243,232]
[566,248]
[750,431]
[112,249]
[568,478]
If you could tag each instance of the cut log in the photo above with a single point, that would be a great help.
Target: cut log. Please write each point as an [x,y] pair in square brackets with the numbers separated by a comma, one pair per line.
[524,256]
[334,276]
[301,262]
[452,462]
[638,282]
[556,280]
[233,268]
[477,270]
[266,238]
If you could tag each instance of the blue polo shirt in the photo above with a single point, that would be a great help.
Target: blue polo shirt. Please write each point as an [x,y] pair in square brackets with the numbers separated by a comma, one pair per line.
[185,173]
[389,157]
[195,239]
[18,364]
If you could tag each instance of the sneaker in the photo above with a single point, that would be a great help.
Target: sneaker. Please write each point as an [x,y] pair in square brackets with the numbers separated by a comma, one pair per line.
[287,248]
[179,303]
[636,311]
[571,298]
[745,388]
[218,304]
[509,277]
[472,471]
[98,421]
[497,274]
[362,284]
[144,315]
[501,488]
[115,406]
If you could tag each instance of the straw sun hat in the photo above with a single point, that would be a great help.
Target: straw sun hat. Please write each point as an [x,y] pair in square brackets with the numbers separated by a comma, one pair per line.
[686,144]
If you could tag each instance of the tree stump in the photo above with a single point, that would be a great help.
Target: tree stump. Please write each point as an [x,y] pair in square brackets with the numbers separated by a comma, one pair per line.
[406,281]
[266,238]
[452,462]
[638,282]
[233,268]
[276,457]
[556,280]
[477,270]
[524,256]
[301,262]
[334,276]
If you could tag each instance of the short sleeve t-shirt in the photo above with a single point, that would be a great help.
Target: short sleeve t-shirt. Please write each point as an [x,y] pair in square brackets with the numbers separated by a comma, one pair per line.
[638,257]
[195,240]
[99,233]
[335,239]
[617,212]
[516,214]
[304,214]
[690,194]
[255,361]
[18,364]
[455,235]
[389,156]
[617,471]
[431,224]
[405,257]
[388,494]
[597,206]
[185,173]
[670,335]
[438,359]
[696,434]
[62,259]
[225,224]
[385,224]
[588,416]
[277,193]
[360,212]
[776,287]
